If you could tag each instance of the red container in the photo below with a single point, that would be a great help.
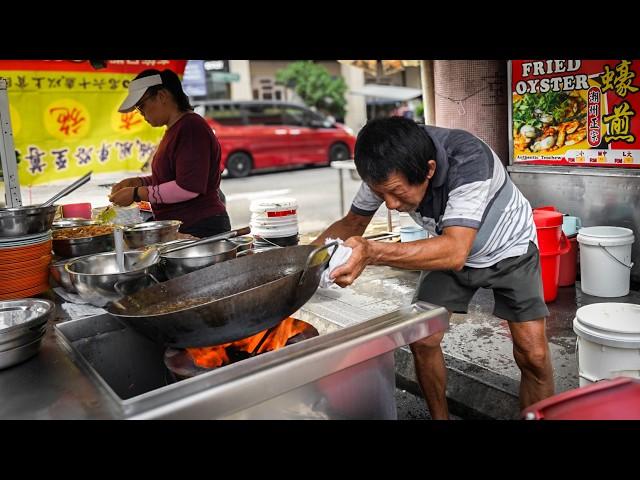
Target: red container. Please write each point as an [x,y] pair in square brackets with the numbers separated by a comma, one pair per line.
[552,243]
[617,399]
[569,264]
[77,210]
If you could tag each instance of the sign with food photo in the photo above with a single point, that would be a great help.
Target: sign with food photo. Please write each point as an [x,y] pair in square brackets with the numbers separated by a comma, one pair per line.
[575,112]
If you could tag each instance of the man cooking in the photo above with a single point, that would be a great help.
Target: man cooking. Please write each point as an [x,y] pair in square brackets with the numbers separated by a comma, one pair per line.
[482,235]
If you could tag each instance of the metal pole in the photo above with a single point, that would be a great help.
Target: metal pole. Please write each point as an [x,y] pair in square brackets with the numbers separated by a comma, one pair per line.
[341,192]
[8,152]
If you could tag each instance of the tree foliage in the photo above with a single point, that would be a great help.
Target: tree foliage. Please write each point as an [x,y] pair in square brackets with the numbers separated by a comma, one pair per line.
[316,87]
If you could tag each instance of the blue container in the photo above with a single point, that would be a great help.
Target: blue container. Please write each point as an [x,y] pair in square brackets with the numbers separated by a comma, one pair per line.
[412,233]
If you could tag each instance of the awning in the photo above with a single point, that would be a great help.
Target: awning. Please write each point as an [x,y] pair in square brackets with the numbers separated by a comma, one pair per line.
[389,92]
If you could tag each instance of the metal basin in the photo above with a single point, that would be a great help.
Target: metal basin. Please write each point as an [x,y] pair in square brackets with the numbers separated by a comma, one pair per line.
[147,233]
[78,247]
[21,221]
[194,258]
[73,222]
[98,281]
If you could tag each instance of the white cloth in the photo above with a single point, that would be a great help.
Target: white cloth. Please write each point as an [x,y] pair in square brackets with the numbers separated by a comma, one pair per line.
[340,257]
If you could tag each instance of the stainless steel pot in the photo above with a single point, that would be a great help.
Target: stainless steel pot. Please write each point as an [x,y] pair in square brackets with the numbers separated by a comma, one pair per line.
[78,247]
[191,259]
[60,275]
[147,233]
[21,221]
[98,281]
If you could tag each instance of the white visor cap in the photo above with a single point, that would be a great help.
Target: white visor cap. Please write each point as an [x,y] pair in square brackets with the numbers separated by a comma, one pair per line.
[136,91]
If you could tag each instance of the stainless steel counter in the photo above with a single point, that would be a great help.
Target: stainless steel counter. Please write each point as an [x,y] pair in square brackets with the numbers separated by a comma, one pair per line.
[55,385]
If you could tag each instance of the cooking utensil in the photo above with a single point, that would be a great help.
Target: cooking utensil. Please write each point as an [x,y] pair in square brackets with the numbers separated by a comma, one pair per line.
[66,191]
[98,280]
[60,275]
[155,252]
[196,257]
[147,233]
[23,221]
[228,300]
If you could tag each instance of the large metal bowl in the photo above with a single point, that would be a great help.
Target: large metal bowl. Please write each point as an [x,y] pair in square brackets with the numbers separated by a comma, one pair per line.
[78,247]
[73,222]
[147,233]
[194,258]
[98,281]
[22,221]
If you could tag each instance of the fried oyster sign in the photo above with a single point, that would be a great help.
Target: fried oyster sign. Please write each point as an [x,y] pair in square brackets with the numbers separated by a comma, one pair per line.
[576,112]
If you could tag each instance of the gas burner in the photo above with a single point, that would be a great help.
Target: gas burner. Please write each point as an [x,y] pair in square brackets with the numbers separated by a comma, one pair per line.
[189,362]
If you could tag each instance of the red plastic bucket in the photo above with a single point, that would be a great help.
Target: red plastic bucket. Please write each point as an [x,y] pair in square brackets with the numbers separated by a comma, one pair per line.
[552,243]
[569,264]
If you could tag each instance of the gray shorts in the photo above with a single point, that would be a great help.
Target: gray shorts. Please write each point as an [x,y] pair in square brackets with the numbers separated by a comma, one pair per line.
[516,283]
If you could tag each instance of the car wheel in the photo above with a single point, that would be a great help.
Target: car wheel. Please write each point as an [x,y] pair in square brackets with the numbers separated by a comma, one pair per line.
[239,164]
[338,151]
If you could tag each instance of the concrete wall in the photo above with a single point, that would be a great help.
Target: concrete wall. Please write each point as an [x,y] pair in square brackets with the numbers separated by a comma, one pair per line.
[241,90]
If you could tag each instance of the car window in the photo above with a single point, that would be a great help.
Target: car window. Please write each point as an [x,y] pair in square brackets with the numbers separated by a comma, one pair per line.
[227,114]
[295,116]
[264,114]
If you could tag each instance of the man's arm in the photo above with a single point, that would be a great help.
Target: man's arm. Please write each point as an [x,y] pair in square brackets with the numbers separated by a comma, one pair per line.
[449,251]
[350,225]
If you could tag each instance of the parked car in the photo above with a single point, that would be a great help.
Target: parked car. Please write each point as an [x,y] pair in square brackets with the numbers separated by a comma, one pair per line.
[257,135]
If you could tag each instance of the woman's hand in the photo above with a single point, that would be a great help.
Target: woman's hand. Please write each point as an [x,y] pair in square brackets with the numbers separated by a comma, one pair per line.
[123,197]
[127,182]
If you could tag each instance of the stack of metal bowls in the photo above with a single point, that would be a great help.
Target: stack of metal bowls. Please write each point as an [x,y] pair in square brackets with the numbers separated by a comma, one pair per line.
[73,222]
[148,233]
[23,323]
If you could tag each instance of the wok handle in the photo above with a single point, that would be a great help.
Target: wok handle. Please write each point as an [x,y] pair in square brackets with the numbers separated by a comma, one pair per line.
[313,254]
[215,238]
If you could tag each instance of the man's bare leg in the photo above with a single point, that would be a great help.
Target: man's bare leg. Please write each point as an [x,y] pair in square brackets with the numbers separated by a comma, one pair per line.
[432,374]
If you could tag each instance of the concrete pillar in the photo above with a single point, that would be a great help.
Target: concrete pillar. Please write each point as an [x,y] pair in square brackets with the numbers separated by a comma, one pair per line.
[356,106]
[241,90]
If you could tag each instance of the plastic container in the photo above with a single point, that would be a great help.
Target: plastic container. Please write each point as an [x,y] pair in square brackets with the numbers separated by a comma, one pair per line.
[608,343]
[411,233]
[77,210]
[569,264]
[552,243]
[571,225]
[605,260]
[274,218]
[617,399]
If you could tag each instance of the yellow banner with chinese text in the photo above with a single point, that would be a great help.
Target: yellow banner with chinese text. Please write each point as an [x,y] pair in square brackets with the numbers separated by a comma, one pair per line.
[67,123]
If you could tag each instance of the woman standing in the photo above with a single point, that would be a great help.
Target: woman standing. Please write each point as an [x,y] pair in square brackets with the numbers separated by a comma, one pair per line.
[185,169]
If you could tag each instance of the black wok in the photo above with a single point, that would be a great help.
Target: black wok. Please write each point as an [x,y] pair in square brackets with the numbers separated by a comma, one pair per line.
[226,301]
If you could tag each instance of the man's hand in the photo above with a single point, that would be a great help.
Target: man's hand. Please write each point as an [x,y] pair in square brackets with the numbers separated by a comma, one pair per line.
[127,182]
[360,257]
[122,197]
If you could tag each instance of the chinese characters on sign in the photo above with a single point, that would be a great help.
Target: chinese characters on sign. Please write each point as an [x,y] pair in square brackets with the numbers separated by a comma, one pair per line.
[575,112]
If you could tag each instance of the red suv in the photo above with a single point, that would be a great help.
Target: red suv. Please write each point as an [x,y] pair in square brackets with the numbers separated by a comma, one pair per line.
[258,135]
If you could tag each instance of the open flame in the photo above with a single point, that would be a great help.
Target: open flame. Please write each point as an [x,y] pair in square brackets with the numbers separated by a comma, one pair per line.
[277,337]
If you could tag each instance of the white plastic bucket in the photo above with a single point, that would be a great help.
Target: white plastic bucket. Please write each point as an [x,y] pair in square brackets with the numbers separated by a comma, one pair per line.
[274,217]
[605,260]
[608,343]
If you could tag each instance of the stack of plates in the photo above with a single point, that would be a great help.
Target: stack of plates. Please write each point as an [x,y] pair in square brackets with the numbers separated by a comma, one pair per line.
[24,262]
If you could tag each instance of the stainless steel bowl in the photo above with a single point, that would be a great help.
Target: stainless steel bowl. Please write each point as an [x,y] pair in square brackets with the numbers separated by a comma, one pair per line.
[194,258]
[78,247]
[60,275]
[98,281]
[147,233]
[73,222]
[23,322]
[21,221]
[14,356]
